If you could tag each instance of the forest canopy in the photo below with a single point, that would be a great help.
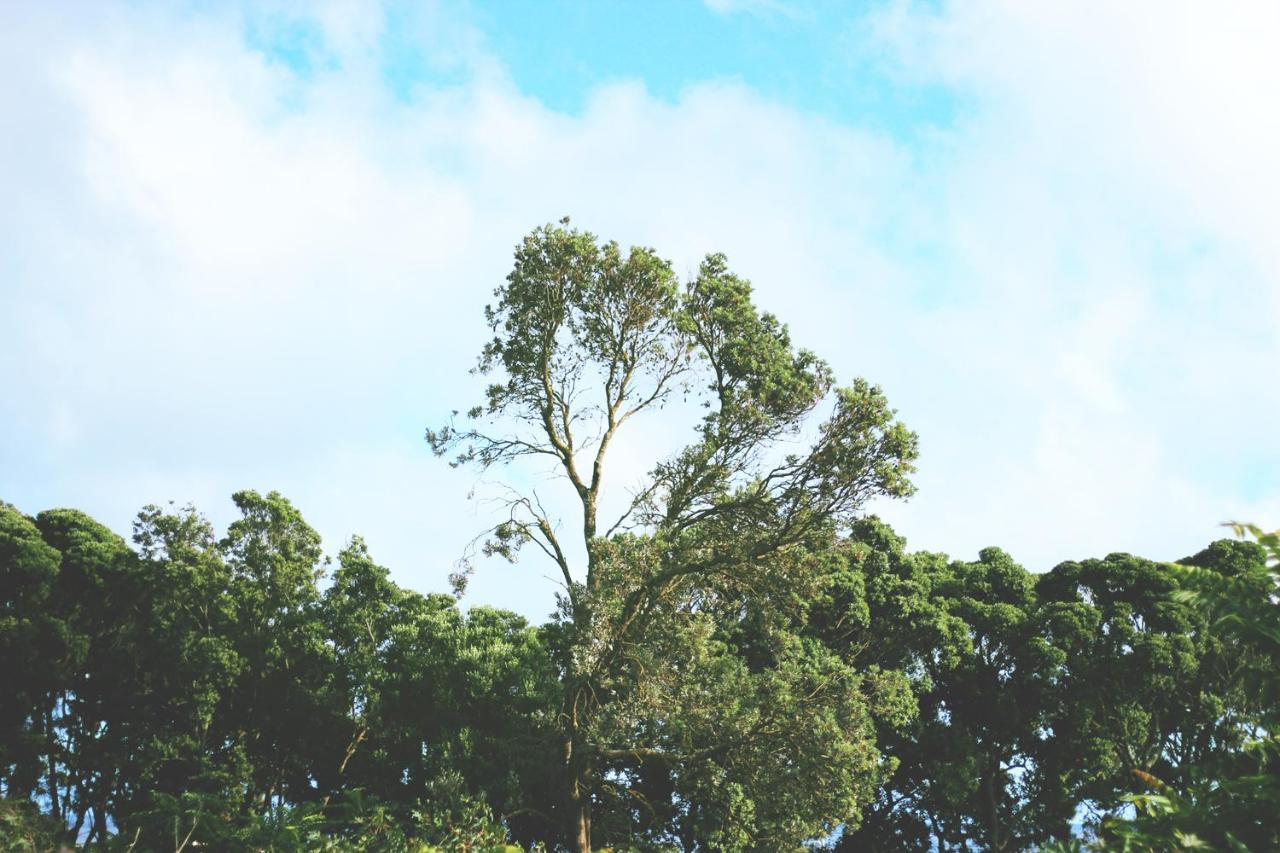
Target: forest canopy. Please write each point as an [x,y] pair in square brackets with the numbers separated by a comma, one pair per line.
[742,659]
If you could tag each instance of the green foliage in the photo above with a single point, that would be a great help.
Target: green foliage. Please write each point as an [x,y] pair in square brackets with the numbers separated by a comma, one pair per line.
[1231,797]
[24,829]
[756,746]
[966,771]
[32,639]
[207,691]
[1045,700]
[901,700]
[1149,688]
[355,822]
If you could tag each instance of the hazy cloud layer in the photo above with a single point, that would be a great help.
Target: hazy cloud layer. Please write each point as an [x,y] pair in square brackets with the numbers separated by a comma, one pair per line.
[224,265]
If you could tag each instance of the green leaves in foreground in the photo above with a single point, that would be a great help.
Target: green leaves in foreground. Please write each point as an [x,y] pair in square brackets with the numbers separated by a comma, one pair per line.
[1232,801]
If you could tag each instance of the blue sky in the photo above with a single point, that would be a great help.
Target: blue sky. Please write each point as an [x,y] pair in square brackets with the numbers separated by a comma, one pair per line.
[814,57]
[247,245]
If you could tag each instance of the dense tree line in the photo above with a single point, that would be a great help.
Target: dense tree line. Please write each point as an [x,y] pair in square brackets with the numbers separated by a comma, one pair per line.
[742,659]
[196,688]
[245,692]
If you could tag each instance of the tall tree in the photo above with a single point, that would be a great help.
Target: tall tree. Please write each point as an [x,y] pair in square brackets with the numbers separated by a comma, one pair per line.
[967,770]
[1147,688]
[432,706]
[95,597]
[884,607]
[1200,763]
[186,745]
[586,337]
[32,641]
[276,563]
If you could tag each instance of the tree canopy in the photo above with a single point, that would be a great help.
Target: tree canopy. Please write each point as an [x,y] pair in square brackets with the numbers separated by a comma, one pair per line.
[586,337]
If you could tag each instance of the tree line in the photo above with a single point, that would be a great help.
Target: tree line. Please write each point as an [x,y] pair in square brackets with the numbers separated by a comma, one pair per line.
[742,659]
[214,691]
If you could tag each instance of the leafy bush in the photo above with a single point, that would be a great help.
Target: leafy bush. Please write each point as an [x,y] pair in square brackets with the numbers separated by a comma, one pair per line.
[23,829]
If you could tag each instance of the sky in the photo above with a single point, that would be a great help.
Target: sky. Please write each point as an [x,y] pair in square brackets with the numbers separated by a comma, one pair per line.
[248,245]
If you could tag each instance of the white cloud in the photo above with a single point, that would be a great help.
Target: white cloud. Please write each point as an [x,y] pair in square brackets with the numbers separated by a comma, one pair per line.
[222,274]
[1107,202]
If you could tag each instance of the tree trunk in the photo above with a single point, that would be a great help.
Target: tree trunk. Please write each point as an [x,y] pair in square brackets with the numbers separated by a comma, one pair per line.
[994,829]
[578,777]
[576,754]
[51,760]
[78,825]
[582,813]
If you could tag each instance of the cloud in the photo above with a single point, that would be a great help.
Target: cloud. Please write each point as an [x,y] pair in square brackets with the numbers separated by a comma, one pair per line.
[227,264]
[1103,216]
